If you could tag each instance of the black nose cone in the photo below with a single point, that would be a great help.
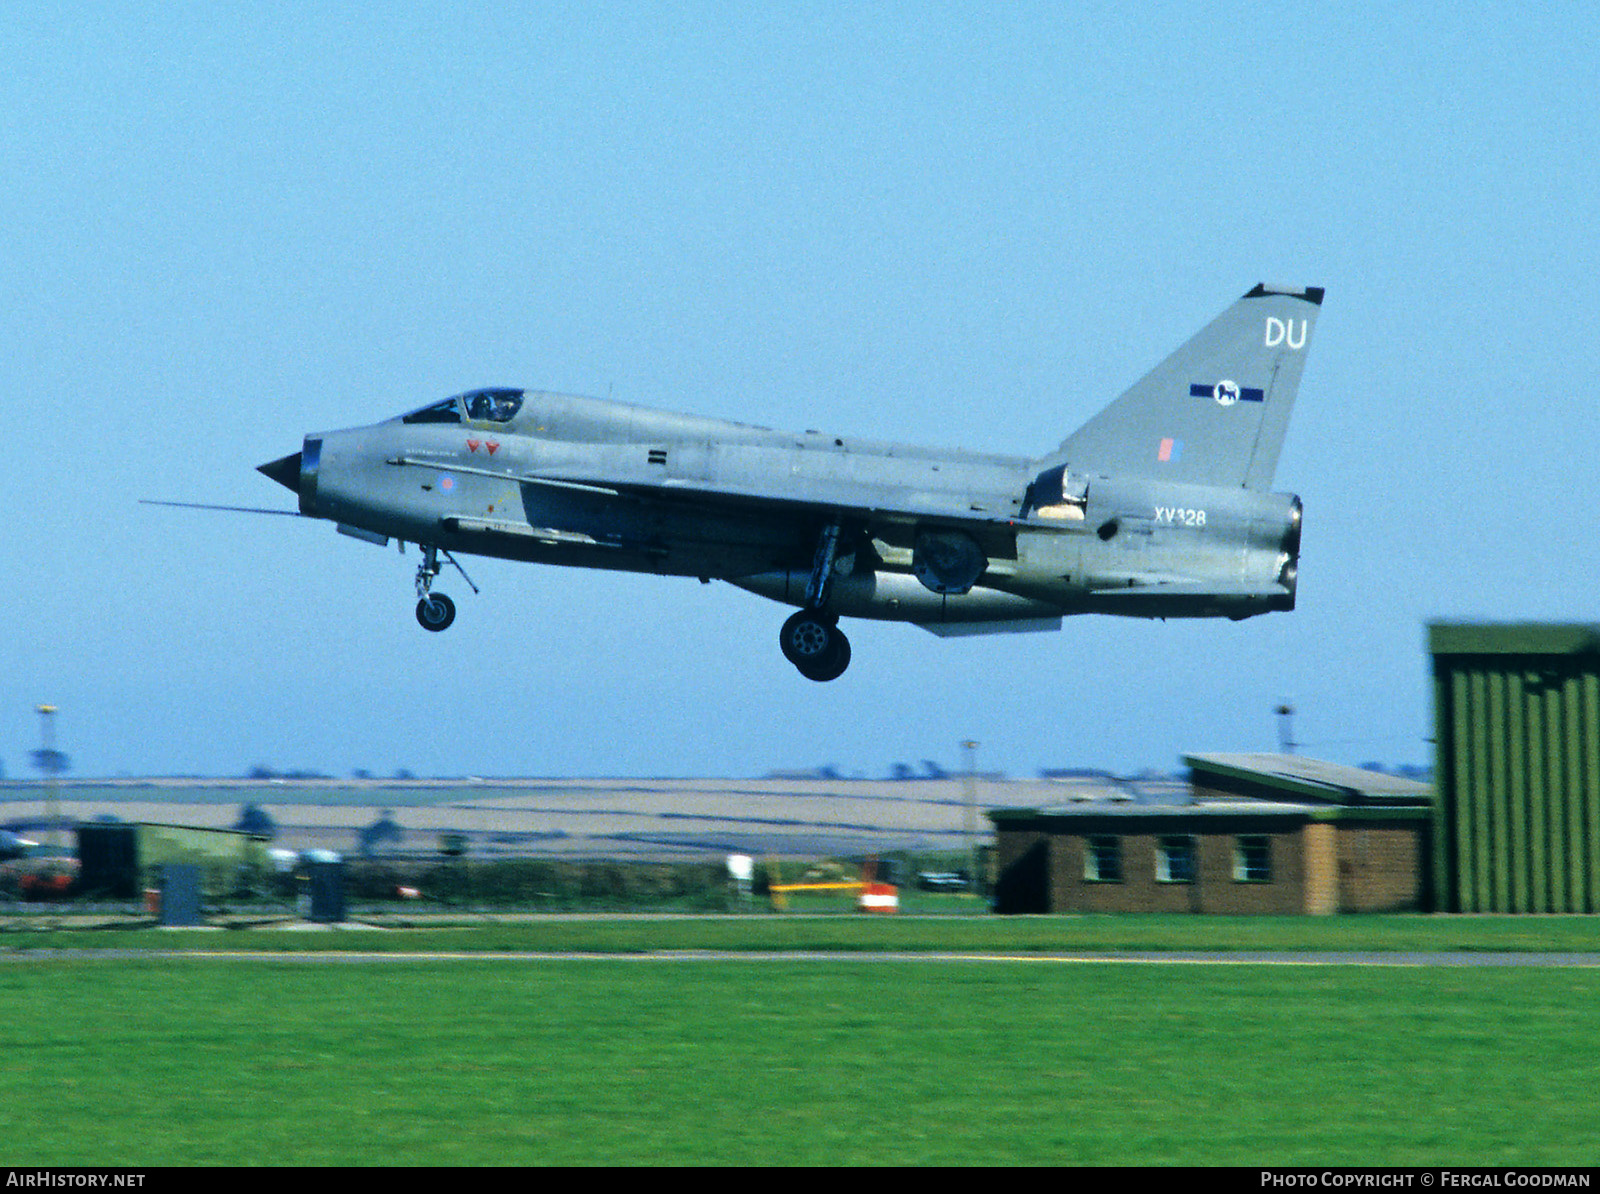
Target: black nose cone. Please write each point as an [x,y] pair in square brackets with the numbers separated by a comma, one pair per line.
[285,472]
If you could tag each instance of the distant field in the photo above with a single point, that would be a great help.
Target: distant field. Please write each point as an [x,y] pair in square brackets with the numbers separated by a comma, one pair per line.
[138,1062]
[590,818]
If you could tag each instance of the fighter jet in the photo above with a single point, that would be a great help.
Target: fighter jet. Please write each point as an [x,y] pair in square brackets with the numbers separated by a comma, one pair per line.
[1157,507]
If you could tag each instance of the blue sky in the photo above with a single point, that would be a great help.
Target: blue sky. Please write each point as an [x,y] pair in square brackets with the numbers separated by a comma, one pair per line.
[964,225]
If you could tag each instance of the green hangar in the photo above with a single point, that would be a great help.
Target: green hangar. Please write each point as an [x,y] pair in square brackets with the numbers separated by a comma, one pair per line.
[1518,767]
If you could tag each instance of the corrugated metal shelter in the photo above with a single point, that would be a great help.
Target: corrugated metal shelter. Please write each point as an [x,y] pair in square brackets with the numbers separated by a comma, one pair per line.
[1518,772]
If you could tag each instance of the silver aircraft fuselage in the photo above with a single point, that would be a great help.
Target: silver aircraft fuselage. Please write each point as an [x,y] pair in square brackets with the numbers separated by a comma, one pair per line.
[1157,507]
[623,487]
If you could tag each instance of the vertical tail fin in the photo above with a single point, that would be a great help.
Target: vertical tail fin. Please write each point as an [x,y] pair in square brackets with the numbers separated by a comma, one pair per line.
[1215,411]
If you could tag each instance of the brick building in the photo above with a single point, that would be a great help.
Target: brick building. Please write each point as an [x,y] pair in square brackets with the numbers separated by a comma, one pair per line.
[1259,834]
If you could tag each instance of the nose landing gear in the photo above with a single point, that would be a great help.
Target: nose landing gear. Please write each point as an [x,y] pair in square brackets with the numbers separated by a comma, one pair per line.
[435,611]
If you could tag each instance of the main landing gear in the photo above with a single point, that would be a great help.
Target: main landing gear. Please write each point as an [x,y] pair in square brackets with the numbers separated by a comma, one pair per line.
[435,611]
[811,638]
[813,642]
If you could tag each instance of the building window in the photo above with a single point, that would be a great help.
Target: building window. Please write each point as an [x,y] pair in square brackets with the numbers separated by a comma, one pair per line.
[1252,860]
[1175,860]
[1102,861]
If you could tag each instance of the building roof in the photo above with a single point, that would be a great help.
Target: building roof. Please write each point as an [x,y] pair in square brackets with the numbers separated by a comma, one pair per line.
[1513,638]
[1293,777]
[1209,816]
[1211,808]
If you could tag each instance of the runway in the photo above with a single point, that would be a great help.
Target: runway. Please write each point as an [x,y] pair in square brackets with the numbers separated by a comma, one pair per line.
[1414,960]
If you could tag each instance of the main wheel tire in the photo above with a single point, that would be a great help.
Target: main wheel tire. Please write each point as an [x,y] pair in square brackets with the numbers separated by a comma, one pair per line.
[831,666]
[807,637]
[435,612]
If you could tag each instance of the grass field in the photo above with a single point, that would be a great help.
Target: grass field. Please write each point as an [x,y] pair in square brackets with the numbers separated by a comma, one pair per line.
[145,1061]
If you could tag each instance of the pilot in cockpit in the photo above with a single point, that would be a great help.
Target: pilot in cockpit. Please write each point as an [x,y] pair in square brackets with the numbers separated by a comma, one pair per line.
[494,406]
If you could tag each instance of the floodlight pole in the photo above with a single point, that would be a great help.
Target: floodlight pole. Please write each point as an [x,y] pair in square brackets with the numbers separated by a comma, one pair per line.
[48,762]
[1286,742]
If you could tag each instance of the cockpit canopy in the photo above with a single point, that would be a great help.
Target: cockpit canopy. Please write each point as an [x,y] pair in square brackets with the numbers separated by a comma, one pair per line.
[480,406]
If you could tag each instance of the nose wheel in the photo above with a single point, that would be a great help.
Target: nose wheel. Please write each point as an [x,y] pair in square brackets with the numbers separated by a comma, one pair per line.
[815,645]
[435,612]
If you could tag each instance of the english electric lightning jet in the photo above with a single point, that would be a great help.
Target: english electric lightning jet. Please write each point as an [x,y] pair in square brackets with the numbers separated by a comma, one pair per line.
[1158,507]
